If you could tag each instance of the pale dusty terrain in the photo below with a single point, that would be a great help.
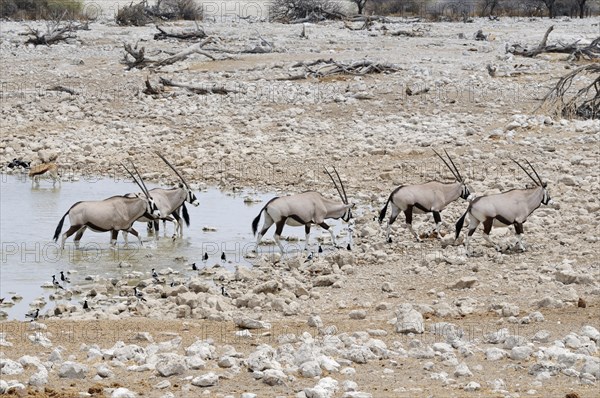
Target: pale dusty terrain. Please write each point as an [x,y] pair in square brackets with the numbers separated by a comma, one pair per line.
[278,135]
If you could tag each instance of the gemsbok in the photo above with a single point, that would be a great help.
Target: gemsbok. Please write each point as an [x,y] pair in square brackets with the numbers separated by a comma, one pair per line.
[170,201]
[505,209]
[117,213]
[306,209]
[430,197]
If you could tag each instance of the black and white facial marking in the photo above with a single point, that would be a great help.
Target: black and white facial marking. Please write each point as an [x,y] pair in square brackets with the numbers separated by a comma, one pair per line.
[347,215]
[546,199]
[465,193]
[191,198]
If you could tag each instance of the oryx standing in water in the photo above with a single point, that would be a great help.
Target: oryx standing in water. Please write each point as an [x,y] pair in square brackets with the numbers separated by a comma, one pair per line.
[430,197]
[504,209]
[117,213]
[306,209]
[169,201]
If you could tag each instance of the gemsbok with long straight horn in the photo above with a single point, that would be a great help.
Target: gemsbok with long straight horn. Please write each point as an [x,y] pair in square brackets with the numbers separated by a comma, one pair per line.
[505,209]
[114,214]
[170,201]
[306,209]
[430,197]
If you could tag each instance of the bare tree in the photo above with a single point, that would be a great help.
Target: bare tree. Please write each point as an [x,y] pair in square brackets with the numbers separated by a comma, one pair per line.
[551,6]
[488,7]
[581,6]
[360,4]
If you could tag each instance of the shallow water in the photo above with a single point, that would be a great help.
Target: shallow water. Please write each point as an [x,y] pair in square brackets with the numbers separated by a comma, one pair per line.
[30,214]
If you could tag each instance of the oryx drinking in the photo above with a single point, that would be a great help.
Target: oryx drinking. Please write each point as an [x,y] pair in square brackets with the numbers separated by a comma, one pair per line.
[117,213]
[306,209]
[504,209]
[430,197]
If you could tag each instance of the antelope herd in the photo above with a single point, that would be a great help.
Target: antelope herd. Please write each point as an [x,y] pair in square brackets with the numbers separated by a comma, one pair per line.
[119,213]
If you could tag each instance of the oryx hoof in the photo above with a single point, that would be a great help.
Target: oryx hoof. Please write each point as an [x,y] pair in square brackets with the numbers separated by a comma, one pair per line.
[498,248]
[389,240]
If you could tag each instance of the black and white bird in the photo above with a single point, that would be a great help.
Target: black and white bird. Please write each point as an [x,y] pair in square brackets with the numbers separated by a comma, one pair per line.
[224,292]
[320,249]
[85,305]
[223,257]
[155,277]
[18,163]
[205,257]
[56,283]
[138,295]
[310,257]
[64,278]
[194,268]
[33,314]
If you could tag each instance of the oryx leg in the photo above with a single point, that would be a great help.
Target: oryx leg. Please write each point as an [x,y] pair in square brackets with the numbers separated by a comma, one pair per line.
[265,228]
[70,231]
[473,224]
[150,227]
[134,233]
[437,217]
[78,236]
[113,238]
[330,230]
[519,233]
[278,230]
[487,228]
[393,216]
[307,236]
[409,213]
[178,225]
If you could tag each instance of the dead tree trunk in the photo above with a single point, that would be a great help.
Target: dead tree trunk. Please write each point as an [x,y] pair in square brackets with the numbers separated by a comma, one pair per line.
[183,35]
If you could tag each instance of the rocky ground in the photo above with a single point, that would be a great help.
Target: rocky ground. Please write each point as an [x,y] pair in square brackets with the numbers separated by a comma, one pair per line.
[401,319]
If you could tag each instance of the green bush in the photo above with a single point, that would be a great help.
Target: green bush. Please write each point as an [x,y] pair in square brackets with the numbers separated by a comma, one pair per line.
[41,9]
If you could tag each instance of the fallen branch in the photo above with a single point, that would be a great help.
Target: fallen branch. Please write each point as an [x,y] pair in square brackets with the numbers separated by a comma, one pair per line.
[588,52]
[408,33]
[63,89]
[322,68]
[584,103]
[577,51]
[140,61]
[183,35]
[149,90]
[202,90]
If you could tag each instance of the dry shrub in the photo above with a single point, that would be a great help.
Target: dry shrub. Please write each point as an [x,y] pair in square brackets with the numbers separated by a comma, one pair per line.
[315,10]
[164,10]
[41,9]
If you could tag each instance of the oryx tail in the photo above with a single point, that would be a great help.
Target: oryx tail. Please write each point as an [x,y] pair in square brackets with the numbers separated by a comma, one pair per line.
[384,210]
[186,215]
[58,229]
[460,223]
[257,219]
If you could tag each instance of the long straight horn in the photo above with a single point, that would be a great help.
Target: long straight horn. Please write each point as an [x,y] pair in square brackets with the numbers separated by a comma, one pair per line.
[455,168]
[173,168]
[341,184]
[334,184]
[134,179]
[536,174]
[141,180]
[526,172]
[446,163]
